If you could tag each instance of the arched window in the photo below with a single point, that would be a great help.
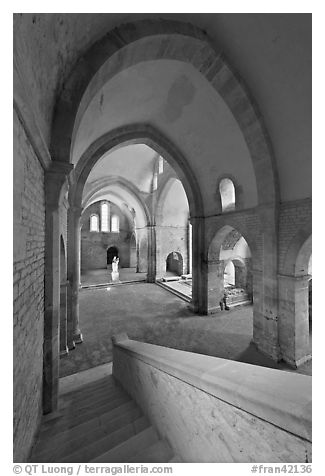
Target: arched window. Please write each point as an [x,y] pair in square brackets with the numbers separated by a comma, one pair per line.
[104,217]
[229,274]
[115,225]
[155,182]
[227,194]
[161,165]
[94,223]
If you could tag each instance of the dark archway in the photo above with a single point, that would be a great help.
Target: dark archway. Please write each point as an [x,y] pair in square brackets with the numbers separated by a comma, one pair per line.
[174,263]
[111,252]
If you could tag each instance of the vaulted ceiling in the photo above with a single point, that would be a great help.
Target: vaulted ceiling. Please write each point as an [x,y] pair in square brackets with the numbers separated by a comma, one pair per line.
[271,52]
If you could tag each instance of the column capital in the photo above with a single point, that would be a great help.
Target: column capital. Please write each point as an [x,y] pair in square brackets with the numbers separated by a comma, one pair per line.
[55,177]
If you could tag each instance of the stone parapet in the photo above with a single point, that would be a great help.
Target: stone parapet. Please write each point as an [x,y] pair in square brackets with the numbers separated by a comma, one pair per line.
[207,407]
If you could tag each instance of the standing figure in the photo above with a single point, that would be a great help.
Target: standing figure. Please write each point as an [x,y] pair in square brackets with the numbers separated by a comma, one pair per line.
[223,302]
[115,273]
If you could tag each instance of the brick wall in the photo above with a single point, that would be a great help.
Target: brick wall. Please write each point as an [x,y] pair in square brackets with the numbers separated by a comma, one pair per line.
[294,216]
[28,292]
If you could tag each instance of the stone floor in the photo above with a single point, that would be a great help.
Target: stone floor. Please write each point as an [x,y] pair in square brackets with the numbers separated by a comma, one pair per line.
[151,314]
[102,276]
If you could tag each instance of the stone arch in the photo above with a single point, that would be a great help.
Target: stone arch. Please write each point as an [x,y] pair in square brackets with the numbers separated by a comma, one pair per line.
[298,253]
[138,134]
[121,182]
[172,231]
[163,39]
[216,266]
[294,300]
[163,193]
[243,276]
[174,263]
[224,228]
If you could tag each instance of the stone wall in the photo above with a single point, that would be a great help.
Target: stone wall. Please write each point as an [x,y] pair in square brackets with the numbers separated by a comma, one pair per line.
[94,245]
[28,292]
[169,239]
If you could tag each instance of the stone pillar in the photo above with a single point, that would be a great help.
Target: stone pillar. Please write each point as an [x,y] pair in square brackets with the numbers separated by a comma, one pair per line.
[152,258]
[199,268]
[142,250]
[294,319]
[265,284]
[55,177]
[189,248]
[215,285]
[63,319]
[73,273]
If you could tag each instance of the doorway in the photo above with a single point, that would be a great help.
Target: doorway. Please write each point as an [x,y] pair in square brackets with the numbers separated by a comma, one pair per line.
[111,252]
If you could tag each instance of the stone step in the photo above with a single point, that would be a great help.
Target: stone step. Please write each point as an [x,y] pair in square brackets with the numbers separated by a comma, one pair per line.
[170,278]
[72,406]
[68,441]
[104,382]
[66,421]
[159,452]
[174,291]
[68,405]
[86,394]
[98,447]
[126,450]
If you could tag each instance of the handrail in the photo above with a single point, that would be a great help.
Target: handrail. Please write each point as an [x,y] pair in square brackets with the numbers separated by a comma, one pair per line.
[278,397]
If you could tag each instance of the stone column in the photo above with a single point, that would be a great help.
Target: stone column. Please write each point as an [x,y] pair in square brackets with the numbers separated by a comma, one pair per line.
[55,177]
[73,273]
[294,319]
[199,268]
[152,258]
[189,247]
[215,285]
[265,284]
[63,319]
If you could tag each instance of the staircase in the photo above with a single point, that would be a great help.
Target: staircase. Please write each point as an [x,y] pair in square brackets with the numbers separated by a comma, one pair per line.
[98,422]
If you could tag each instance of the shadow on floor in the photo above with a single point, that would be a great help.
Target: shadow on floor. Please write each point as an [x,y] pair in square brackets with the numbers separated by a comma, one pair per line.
[151,314]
